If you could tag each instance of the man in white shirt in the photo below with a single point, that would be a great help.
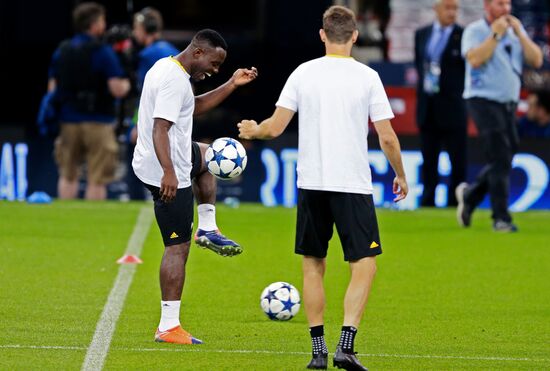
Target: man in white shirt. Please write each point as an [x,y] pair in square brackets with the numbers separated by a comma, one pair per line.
[335,96]
[148,24]
[163,157]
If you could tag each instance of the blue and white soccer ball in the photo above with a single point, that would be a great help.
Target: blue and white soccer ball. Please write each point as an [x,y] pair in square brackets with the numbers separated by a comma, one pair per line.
[226,158]
[280,301]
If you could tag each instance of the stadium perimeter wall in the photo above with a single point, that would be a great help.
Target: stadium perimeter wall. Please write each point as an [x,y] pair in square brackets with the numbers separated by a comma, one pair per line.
[270,176]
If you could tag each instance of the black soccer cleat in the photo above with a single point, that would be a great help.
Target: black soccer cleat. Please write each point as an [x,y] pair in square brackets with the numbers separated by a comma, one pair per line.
[347,361]
[318,362]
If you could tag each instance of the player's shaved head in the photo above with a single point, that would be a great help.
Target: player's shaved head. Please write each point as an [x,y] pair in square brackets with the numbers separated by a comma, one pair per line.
[208,37]
[339,24]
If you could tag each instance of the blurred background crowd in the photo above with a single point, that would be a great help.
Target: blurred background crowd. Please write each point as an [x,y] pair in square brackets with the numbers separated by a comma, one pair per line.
[274,36]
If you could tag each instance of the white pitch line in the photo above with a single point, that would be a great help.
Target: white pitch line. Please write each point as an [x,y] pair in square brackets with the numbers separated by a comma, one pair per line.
[251,351]
[99,347]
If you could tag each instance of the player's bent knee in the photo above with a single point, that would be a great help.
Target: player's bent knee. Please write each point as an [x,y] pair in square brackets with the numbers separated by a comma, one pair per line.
[180,248]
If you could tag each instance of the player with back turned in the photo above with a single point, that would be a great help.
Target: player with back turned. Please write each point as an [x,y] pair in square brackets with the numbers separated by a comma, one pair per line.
[335,96]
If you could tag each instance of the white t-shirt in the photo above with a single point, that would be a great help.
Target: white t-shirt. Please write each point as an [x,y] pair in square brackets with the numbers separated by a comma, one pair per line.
[167,94]
[334,97]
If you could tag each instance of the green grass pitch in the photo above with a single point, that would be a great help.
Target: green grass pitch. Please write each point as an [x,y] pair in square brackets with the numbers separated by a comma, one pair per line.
[444,298]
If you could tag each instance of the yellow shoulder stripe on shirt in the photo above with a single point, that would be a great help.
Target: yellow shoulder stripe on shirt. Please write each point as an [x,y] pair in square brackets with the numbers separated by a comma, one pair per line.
[338,56]
[178,63]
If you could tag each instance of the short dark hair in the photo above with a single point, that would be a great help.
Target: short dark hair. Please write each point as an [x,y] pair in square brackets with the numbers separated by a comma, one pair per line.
[543,99]
[151,19]
[339,24]
[85,14]
[210,37]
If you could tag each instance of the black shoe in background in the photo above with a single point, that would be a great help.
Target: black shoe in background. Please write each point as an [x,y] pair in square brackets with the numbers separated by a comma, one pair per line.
[504,226]
[463,210]
[318,362]
[347,361]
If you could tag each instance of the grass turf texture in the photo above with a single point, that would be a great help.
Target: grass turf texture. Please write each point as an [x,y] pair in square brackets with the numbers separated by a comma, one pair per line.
[444,297]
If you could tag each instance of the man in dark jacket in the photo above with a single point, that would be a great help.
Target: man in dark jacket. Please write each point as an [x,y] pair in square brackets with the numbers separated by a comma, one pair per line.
[441,112]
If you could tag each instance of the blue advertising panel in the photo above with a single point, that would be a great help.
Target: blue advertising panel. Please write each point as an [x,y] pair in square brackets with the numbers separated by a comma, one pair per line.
[274,182]
[529,185]
[270,176]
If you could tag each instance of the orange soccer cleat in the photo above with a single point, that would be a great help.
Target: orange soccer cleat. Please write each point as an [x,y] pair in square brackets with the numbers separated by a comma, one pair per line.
[176,335]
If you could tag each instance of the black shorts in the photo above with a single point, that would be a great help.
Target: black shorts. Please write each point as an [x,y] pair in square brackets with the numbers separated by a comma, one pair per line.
[175,219]
[355,220]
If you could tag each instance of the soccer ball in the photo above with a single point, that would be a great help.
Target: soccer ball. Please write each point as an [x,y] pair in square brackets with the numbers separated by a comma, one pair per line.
[280,301]
[226,158]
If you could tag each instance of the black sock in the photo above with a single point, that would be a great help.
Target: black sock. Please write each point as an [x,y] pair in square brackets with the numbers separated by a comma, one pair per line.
[318,344]
[347,339]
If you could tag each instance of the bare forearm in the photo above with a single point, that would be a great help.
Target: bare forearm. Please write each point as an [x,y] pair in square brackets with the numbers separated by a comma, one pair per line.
[266,130]
[118,87]
[531,51]
[391,148]
[477,56]
[161,142]
[269,128]
[52,84]
[207,101]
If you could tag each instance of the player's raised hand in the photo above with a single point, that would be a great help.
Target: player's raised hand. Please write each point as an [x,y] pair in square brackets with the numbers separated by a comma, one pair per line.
[247,129]
[400,188]
[244,75]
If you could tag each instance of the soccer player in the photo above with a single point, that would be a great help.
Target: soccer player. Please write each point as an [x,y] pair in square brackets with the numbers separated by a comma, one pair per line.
[163,157]
[335,95]
[147,31]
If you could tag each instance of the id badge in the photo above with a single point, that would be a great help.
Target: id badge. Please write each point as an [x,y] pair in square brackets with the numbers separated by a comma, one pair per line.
[476,78]
[432,72]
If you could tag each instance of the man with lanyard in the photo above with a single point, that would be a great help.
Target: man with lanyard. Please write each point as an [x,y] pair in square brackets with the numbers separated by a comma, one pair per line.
[495,48]
[440,68]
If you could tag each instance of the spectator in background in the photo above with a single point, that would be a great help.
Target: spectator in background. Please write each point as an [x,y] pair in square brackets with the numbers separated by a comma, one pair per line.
[147,32]
[441,111]
[87,78]
[373,18]
[536,121]
[119,37]
[495,48]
